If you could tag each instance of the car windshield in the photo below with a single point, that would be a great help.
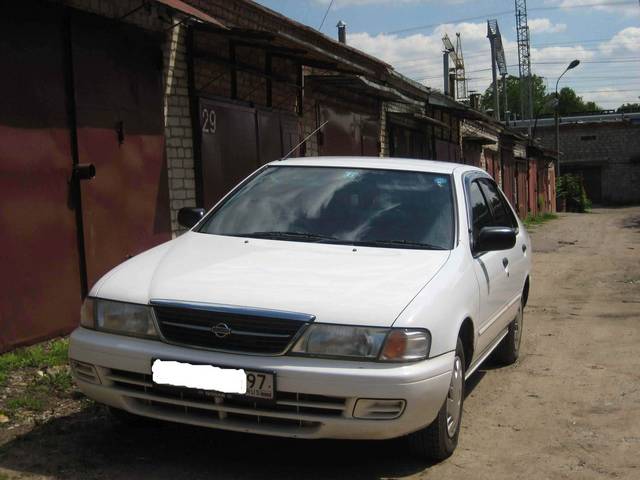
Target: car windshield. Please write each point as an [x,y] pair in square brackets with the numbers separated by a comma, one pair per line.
[354,206]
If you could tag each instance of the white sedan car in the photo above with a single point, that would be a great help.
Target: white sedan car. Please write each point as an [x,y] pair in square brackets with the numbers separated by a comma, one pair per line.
[321,298]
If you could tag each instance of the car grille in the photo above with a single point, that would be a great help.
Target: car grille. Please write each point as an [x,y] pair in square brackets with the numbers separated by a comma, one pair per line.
[229,329]
[290,411]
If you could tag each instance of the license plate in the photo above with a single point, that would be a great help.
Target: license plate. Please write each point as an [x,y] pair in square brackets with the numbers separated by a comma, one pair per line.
[213,381]
[260,385]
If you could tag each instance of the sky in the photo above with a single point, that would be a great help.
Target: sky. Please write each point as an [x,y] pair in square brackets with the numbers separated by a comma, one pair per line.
[603,34]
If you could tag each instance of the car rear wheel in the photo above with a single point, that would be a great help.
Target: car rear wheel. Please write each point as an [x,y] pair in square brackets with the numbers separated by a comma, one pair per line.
[509,350]
[438,440]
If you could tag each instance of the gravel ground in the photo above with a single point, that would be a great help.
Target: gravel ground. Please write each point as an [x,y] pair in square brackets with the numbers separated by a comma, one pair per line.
[569,408]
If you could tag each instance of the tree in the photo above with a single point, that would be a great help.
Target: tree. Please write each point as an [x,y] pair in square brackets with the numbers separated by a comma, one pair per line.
[543,102]
[629,107]
[570,102]
[513,95]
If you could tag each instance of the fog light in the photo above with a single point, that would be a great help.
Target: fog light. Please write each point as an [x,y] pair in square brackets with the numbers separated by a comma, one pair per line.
[377,409]
[84,371]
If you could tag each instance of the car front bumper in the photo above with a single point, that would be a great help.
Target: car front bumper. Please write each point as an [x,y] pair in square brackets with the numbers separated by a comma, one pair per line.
[315,398]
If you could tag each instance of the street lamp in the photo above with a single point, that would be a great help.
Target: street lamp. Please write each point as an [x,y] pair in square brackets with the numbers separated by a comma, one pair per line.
[571,66]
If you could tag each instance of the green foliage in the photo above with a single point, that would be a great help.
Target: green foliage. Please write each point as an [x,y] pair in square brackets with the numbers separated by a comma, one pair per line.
[539,219]
[629,107]
[513,95]
[570,102]
[543,101]
[49,354]
[571,189]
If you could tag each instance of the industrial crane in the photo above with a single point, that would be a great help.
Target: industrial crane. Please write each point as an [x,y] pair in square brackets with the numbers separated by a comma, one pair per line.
[497,60]
[458,71]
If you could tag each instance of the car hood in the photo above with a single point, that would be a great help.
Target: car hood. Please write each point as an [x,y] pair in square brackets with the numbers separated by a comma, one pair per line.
[336,283]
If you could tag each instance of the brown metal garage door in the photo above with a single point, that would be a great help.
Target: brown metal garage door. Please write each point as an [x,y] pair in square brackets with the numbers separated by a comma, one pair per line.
[124,209]
[118,82]
[40,290]
[348,133]
[235,140]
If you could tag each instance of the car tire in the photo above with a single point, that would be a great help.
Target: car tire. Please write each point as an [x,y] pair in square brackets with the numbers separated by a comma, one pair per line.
[438,440]
[509,349]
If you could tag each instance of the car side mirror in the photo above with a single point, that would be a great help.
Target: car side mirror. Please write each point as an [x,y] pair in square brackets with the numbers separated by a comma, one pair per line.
[189,216]
[491,239]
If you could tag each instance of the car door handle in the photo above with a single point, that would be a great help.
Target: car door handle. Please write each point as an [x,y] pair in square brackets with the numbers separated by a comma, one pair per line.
[505,262]
[524,248]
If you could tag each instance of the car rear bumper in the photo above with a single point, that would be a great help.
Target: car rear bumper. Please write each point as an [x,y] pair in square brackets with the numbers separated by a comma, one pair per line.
[316,398]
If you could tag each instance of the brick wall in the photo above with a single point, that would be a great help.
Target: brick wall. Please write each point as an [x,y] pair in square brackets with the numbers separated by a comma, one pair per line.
[613,147]
[178,131]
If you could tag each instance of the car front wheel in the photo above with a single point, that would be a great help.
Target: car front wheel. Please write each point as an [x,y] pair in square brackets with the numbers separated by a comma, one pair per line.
[438,440]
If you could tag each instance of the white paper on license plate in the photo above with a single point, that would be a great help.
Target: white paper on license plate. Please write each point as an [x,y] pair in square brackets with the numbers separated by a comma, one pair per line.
[210,378]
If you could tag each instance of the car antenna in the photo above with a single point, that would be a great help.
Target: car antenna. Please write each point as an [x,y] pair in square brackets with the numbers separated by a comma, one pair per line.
[304,140]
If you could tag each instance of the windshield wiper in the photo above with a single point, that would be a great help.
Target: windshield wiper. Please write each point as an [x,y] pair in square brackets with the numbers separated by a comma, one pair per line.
[286,235]
[399,243]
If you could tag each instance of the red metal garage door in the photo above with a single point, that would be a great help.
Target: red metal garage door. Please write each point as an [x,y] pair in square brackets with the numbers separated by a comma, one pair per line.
[235,140]
[229,147]
[40,290]
[348,133]
[118,81]
[278,134]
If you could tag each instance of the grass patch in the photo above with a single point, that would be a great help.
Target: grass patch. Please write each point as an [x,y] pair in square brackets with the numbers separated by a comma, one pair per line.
[539,219]
[44,355]
[35,378]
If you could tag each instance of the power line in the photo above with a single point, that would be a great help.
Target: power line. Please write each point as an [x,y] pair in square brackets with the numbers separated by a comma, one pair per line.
[533,63]
[511,12]
[325,15]
[421,59]
[536,63]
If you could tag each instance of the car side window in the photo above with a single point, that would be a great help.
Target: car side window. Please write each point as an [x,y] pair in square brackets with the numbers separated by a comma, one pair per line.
[502,215]
[480,213]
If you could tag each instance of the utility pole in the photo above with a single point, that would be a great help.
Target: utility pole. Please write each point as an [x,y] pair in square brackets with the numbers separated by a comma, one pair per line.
[506,98]
[494,73]
[571,66]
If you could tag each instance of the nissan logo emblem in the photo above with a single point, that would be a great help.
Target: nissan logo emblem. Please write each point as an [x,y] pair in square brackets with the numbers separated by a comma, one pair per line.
[221,330]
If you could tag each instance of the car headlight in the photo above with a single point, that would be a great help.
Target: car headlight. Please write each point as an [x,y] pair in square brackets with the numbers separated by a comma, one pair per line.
[118,317]
[364,343]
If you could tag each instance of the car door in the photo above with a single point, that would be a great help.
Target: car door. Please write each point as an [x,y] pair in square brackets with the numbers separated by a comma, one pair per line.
[516,258]
[491,270]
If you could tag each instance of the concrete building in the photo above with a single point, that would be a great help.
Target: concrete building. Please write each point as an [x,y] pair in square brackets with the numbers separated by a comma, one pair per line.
[118,114]
[604,149]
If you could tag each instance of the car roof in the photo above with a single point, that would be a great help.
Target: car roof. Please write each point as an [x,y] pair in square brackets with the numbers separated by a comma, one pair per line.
[382,163]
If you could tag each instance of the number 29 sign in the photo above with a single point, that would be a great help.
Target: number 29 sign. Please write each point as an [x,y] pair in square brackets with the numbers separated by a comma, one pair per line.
[208,120]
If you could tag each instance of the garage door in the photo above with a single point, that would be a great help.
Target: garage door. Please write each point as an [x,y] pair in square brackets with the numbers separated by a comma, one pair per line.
[235,140]
[118,80]
[348,133]
[40,290]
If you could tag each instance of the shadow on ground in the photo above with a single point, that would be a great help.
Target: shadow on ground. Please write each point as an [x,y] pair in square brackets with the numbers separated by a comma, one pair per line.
[91,445]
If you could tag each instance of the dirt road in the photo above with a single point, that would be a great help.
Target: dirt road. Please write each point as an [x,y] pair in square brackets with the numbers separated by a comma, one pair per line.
[570,408]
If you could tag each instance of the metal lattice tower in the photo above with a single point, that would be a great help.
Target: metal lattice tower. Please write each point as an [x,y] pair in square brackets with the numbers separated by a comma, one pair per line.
[524,60]
[461,76]
[458,69]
